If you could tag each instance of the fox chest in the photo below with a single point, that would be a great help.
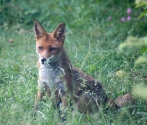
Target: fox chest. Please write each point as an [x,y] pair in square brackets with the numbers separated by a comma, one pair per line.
[51,78]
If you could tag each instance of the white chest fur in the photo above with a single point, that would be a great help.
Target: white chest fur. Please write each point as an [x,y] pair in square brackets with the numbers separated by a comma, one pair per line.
[51,77]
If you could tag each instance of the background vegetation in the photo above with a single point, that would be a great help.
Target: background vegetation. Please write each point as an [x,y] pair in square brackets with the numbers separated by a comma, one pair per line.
[106,39]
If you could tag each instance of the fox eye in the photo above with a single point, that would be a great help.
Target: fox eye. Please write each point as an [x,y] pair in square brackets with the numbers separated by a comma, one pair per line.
[53,49]
[40,48]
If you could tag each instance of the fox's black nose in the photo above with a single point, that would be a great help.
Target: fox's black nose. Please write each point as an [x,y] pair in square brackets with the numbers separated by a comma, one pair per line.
[43,60]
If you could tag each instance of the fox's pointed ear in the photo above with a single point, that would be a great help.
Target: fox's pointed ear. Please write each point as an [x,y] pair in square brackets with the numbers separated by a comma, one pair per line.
[60,31]
[39,30]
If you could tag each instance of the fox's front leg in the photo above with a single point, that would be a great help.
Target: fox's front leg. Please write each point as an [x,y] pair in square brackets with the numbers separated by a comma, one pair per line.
[39,98]
[42,91]
[40,94]
[62,104]
[63,98]
[60,93]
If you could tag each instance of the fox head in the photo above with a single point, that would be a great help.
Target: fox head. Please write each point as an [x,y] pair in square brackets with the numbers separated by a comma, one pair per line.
[49,46]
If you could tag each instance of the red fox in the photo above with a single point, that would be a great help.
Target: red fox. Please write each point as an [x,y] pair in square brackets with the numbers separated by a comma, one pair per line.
[58,79]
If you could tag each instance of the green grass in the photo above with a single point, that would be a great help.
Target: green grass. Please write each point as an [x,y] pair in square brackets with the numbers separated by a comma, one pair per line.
[18,81]
[92,45]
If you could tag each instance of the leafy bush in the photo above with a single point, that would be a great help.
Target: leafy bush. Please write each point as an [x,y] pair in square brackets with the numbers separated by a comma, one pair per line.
[138,44]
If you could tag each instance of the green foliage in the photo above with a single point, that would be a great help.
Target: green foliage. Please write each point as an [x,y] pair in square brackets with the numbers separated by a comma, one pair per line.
[74,13]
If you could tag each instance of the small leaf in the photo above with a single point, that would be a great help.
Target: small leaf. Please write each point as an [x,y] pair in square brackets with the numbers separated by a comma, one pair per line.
[143,50]
[120,73]
[141,4]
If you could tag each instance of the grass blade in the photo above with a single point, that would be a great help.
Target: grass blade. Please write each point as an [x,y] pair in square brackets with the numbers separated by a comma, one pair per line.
[141,15]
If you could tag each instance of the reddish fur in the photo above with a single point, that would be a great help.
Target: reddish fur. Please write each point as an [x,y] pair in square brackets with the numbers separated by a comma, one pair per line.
[44,43]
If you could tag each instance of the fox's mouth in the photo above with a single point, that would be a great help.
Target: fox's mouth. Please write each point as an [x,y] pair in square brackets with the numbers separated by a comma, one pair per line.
[52,59]
[46,60]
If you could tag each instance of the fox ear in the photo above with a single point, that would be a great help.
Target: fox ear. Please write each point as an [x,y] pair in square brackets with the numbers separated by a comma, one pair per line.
[39,30]
[60,31]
